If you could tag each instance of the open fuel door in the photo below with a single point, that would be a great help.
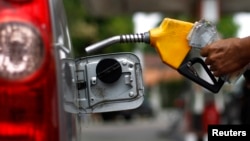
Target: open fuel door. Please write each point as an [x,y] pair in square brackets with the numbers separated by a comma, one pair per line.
[102,83]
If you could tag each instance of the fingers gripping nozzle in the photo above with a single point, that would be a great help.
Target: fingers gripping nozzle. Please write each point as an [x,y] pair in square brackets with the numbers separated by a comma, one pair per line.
[128,38]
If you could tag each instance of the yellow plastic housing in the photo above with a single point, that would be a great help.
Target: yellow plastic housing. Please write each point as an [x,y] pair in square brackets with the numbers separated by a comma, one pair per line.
[170,40]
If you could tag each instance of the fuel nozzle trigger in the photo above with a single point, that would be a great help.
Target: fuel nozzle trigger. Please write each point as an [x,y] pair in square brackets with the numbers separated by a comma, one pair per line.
[189,71]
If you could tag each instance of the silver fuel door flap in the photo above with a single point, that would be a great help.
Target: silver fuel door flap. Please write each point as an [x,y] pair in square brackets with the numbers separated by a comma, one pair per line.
[103,83]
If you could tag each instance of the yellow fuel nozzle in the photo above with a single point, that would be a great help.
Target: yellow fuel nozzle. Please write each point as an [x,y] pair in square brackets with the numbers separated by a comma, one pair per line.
[170,40]
[173,40]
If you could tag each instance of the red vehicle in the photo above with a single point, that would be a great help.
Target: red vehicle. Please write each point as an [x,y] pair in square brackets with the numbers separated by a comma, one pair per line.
[42,94]
[29,97]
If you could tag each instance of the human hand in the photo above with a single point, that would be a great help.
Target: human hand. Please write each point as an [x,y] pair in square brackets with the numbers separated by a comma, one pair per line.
[226,56]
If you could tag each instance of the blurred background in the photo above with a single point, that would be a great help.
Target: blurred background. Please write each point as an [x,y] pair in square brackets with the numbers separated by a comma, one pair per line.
[174,109]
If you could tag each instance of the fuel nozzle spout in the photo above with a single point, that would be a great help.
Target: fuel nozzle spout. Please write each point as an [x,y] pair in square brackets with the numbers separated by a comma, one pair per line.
[126,38]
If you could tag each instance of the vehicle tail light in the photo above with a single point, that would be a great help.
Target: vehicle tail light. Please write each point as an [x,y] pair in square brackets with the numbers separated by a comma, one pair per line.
[21,50]
[28,87]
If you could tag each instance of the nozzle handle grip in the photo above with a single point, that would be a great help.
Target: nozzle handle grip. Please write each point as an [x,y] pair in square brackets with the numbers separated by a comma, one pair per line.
[185,70]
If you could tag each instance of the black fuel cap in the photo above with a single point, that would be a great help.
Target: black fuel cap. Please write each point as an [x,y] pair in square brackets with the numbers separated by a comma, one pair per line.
[108,70]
